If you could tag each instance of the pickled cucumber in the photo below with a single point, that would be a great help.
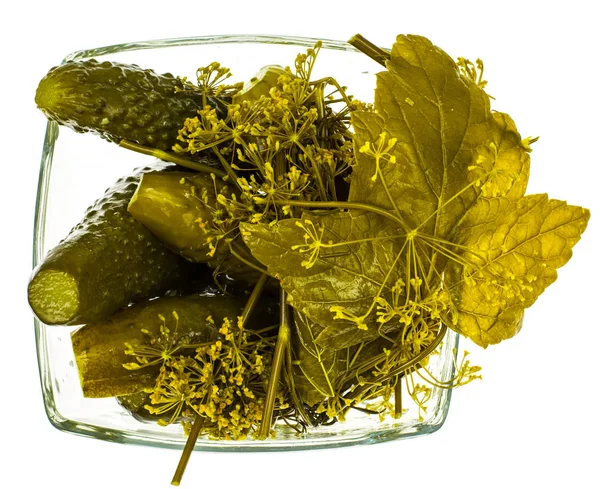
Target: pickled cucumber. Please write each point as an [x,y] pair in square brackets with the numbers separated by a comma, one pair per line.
[260,84]
[177,208]
[99,347]
[174,206]
[118,101]
[107,261]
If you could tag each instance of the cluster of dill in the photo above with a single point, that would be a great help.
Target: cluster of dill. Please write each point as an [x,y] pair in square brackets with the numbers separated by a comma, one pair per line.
[221,382]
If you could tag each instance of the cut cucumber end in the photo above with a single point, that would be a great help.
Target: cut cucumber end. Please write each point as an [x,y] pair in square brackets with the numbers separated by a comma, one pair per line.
[54,296]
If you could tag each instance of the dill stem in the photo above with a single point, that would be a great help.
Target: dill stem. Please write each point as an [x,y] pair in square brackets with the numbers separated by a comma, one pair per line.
[280,165]
[371,50]
[336,204]
[171,158]
[398,397]
[283,339]
[253,299]
[334,82]
[402,368]
[229,171]
[317,172]
[188,449]
[198,422]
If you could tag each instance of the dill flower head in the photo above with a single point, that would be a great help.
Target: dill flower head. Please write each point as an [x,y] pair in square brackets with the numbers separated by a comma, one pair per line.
[222,382]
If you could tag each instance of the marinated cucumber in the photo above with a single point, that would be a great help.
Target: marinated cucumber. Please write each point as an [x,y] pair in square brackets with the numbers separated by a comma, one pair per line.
[174,206]
[177,208]
[107,261]
[100,347]
[118,101]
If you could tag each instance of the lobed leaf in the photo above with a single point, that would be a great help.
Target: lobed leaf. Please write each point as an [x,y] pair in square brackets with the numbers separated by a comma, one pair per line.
[515,248]
[439,119]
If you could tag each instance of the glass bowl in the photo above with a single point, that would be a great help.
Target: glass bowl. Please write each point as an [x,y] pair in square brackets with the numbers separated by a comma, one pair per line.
[77,168]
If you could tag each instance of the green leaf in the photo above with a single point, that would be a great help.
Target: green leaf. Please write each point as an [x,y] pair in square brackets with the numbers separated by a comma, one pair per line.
[321,373]
[514,249]
[355,259]
[502,164]
[450,151]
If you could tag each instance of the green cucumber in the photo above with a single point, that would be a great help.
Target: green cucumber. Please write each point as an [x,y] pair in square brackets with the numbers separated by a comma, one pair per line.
[175,206]
[99,347]
[118,101]
[107,261]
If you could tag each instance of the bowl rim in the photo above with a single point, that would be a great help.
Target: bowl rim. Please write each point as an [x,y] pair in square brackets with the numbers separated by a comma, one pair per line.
[300,41]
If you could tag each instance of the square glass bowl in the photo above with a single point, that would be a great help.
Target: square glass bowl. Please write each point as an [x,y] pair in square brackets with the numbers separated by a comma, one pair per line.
[77,168]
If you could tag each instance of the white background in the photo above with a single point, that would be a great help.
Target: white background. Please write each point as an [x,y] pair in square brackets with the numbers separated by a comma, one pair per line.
[531,422]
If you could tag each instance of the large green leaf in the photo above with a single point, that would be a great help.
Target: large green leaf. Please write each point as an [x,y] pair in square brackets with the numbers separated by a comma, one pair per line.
[439,119]
[443,126]
[321,372]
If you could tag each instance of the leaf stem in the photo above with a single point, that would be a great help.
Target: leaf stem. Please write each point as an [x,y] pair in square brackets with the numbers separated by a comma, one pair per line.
[283,339]
[171,158]
[292,385]
[371,50]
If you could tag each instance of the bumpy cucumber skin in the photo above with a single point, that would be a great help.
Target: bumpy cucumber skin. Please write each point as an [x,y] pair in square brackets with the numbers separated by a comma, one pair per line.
[112,259]
[117,101]
[100,347]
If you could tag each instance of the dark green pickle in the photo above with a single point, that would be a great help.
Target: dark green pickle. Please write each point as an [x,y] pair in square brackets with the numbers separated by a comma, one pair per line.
[107,261]
[118,101]
[156,326]
[99,347]
[175,206]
